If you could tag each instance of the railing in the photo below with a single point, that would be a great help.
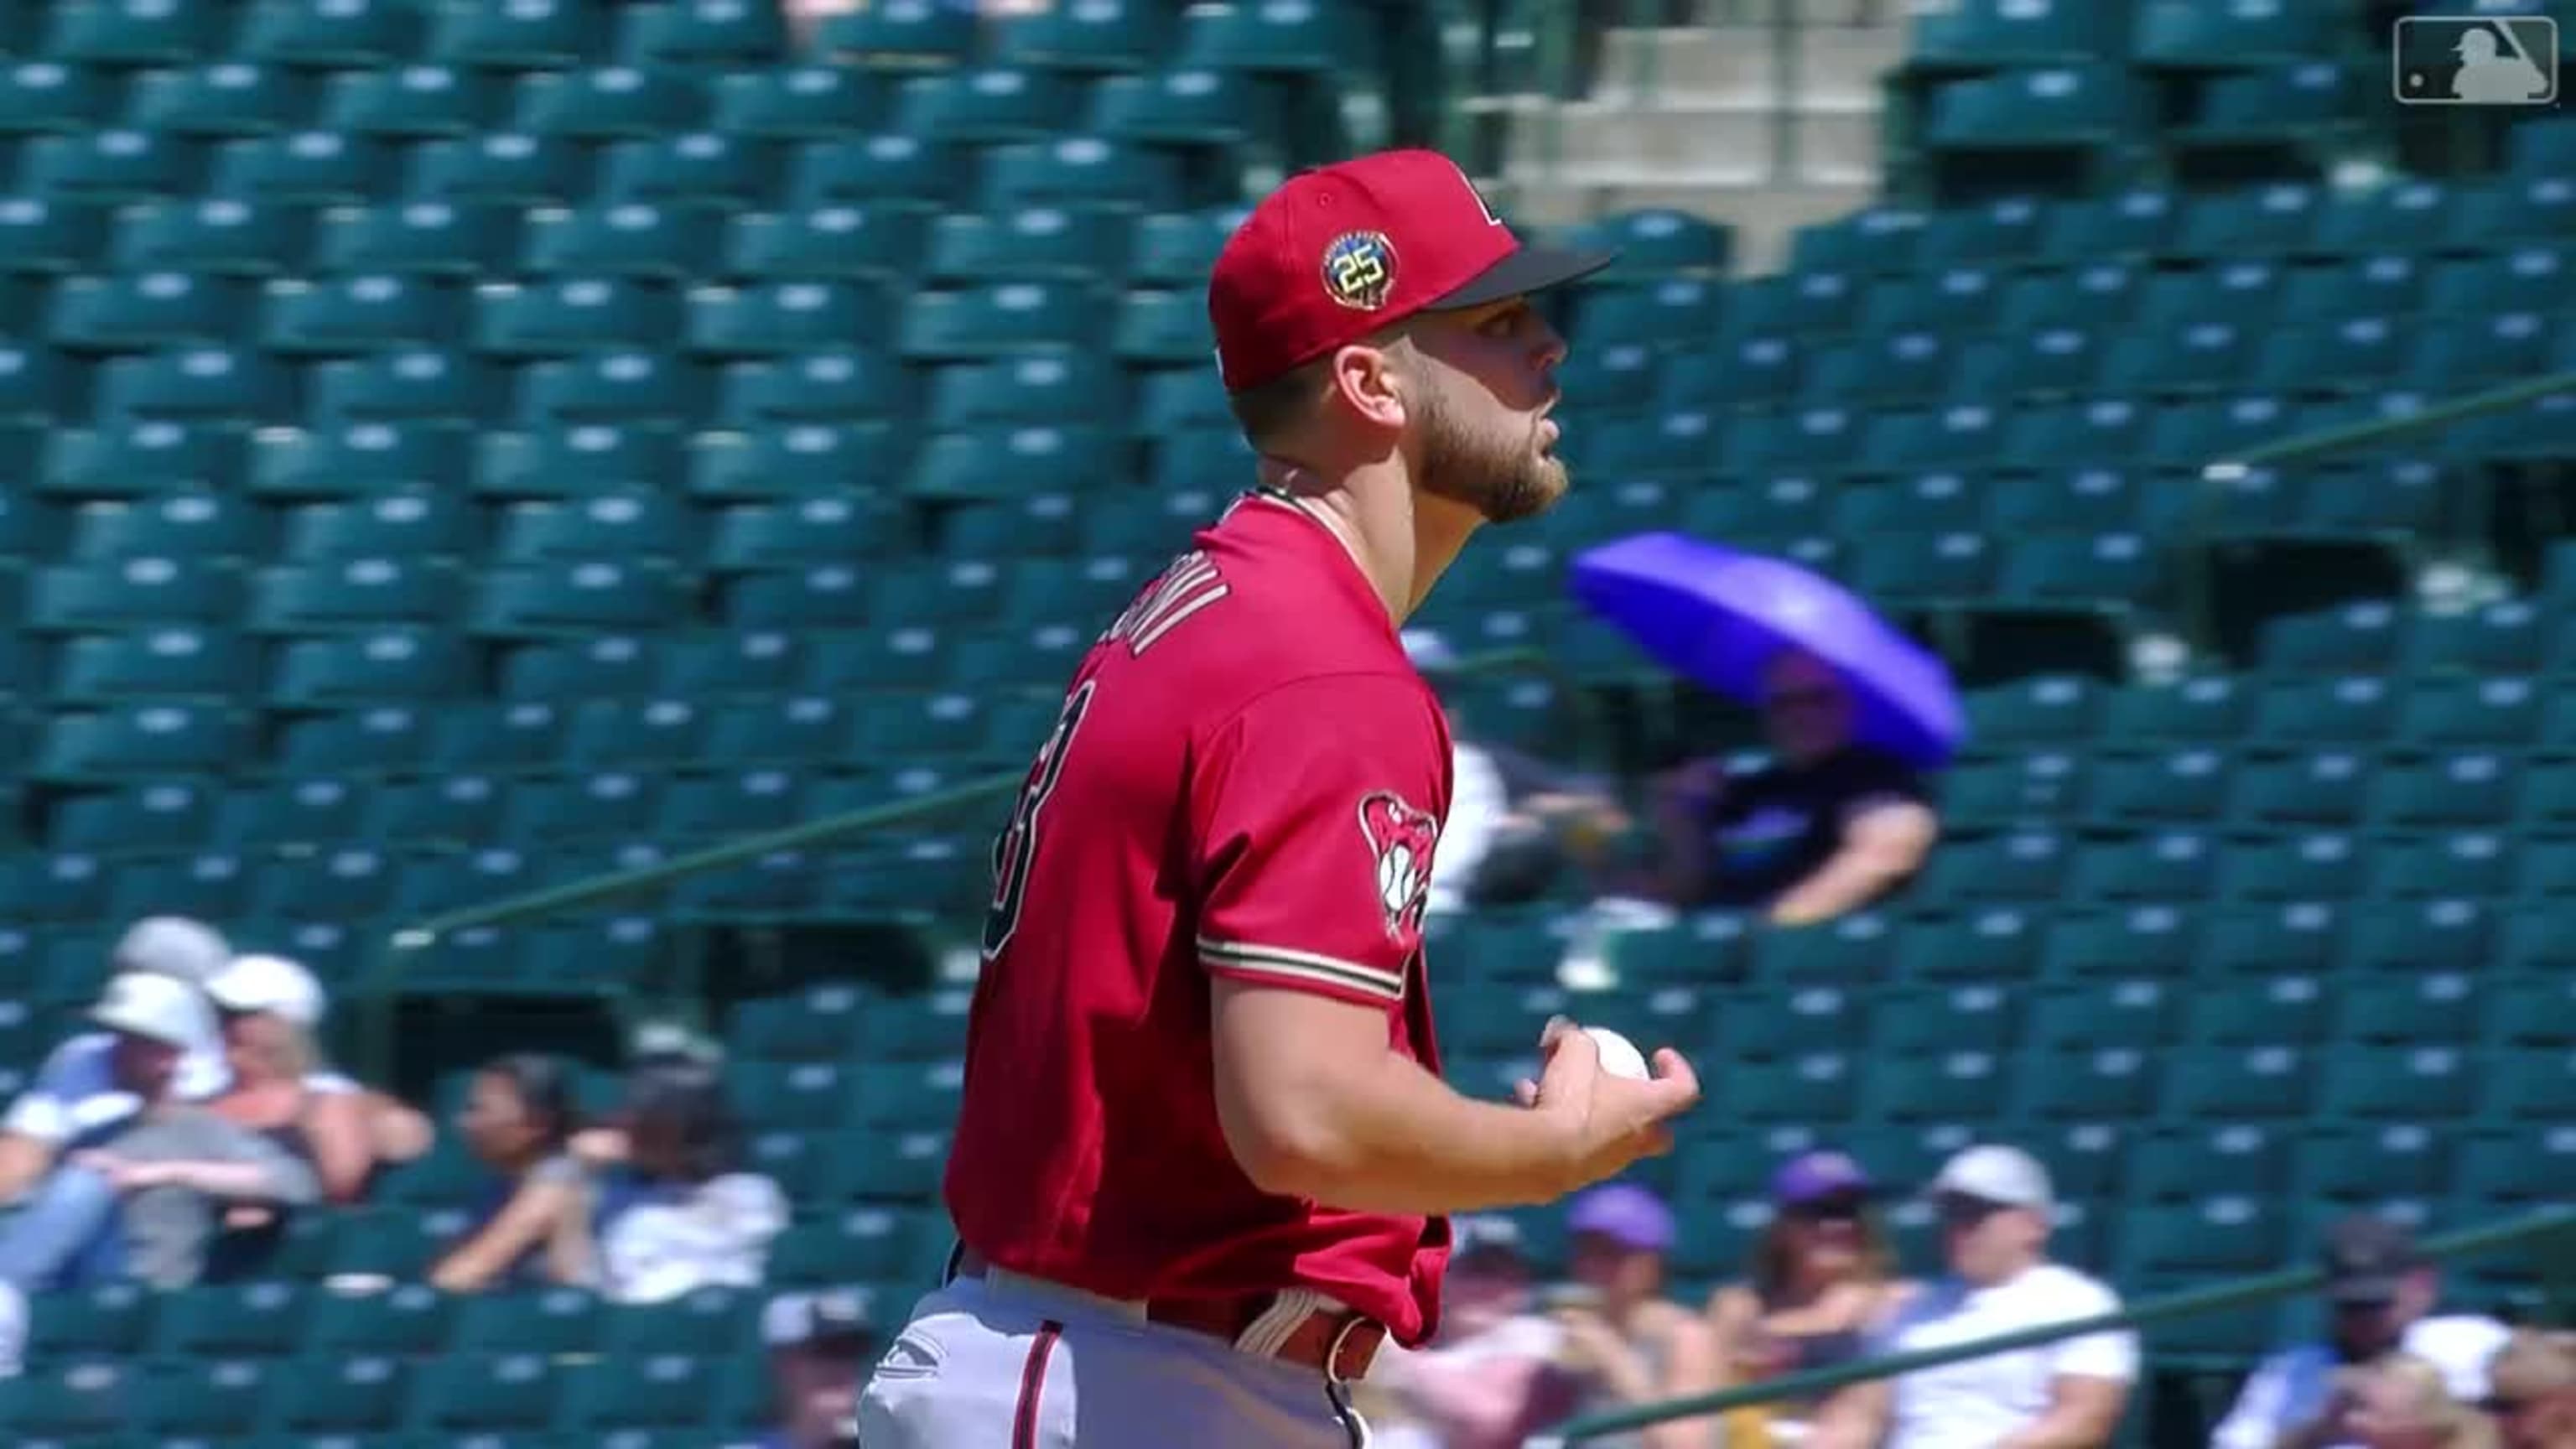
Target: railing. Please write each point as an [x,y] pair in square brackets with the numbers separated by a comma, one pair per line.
[2551,1235]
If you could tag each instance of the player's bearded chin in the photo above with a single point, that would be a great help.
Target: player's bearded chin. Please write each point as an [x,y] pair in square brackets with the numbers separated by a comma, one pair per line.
[1500,473]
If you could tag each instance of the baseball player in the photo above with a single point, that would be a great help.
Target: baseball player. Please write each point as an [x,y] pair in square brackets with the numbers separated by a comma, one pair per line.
[1204,1155]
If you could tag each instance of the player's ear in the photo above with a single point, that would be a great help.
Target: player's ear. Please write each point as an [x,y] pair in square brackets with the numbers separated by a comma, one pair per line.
[1372,383]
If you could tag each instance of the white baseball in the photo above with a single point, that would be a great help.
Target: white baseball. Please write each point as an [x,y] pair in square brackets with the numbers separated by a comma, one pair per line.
[1619,1056]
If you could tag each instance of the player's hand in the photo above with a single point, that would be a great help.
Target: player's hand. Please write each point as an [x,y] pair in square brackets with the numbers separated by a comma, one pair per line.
[1610,1121]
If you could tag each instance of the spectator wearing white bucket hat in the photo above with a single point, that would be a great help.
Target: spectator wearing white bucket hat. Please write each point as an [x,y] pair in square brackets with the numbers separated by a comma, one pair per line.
[1997,1207]
[272,1010]
[139,1193]
[75,1091]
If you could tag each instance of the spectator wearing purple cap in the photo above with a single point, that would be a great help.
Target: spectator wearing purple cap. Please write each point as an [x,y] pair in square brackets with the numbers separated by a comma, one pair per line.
[1626,1343]
[1821,1279]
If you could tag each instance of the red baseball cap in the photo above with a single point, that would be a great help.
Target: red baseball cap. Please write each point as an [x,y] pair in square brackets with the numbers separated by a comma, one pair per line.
[1340,251]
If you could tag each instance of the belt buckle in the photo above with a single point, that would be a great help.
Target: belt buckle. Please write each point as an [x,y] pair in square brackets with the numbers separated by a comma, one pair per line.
[1351,1323]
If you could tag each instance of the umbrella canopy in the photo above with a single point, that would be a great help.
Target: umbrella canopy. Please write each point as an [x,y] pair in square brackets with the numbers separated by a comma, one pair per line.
[1720,617]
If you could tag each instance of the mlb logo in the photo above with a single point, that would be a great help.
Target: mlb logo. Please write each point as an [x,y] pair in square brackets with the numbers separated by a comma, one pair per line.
[2470,60]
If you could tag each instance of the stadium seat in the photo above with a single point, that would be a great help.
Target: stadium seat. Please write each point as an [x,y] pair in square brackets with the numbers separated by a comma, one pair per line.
[694,172]
[900,34]
[862,170]
[109,1322]
[76,1401]
[796,102]
[251,1320]
[302,168]
[413,102]
[498,168]
[777,319]
[220,236]
[628,239]
[435,238]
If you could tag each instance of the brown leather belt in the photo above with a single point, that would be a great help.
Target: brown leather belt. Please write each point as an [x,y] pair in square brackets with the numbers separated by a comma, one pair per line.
[1339,1345]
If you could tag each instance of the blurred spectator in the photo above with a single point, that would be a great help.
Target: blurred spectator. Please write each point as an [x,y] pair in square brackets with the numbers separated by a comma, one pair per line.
[1626,1343]
[141,1195]
[678,1213]
[518,1120]
[1996,1208]
[2401,1402]
[1483,1383]
[819,1347]
[1828,827]
[2532,1391]
[270,1009]
[75,1092]
[2381,1291]
[13,1330]
[1514,822]
[1822,1280]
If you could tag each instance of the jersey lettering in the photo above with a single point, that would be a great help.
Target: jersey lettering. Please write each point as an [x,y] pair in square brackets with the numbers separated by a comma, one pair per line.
[1189,585]
[1017,847]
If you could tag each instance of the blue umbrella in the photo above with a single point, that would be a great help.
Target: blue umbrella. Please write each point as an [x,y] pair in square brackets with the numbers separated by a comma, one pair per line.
[1720,617]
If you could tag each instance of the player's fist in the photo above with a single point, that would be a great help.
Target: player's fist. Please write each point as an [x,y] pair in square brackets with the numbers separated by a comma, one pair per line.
[1610,1121]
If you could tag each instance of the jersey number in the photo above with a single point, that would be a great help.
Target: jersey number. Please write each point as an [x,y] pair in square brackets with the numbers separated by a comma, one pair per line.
[1018,846]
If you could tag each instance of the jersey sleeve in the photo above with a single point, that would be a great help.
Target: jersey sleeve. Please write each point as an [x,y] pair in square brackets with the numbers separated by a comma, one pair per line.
[1316,812]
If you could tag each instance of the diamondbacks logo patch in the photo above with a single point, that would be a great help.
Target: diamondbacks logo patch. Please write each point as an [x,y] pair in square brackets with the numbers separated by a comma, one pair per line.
[1401,840]
[1359,270]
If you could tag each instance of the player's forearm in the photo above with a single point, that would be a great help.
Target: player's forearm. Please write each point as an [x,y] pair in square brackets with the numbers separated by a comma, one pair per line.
[1393,1138]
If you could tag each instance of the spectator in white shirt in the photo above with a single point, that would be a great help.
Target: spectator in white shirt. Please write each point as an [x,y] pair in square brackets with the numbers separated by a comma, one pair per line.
[75,1092]
[2381,1290]
[1996,1208]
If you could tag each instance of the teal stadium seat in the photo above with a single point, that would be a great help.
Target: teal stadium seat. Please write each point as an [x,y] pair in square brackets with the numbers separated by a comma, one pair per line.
[1185,107]
[42,235]
[864,170]
[74,1401]
[163,664]
[223,236]
[567,315]
[815,531]
[413,102]
[633,527]
[331,34]
[352,594]
[114,165]
[791,460]
[610,103]
[627,239]
[500,168]
[986,105]
[829,241]
[1035,243]
[47,97]
[611,387]
[410,383]
[228,98]
[345,316]
[359,460]
[900,34]
[433,238]
[834,385]
[709,35]
[1114,36]
[536,35]
[777,319]
[796,102]
[1080,170]
[693,170]
[306,168]
[152,310]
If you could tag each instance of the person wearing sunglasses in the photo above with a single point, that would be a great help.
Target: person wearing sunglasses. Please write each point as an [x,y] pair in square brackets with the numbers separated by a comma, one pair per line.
[1827,827]
[2532,1391]
[2380,1295]
[1996,1209]
[1822,1277]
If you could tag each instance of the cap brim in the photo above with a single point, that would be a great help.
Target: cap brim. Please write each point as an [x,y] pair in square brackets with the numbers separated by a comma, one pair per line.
[1528,269]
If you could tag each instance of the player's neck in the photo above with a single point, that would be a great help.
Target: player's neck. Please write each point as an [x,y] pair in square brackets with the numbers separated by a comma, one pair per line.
[1402,541]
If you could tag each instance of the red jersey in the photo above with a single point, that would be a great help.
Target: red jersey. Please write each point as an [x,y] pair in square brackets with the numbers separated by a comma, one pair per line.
[1247,780]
